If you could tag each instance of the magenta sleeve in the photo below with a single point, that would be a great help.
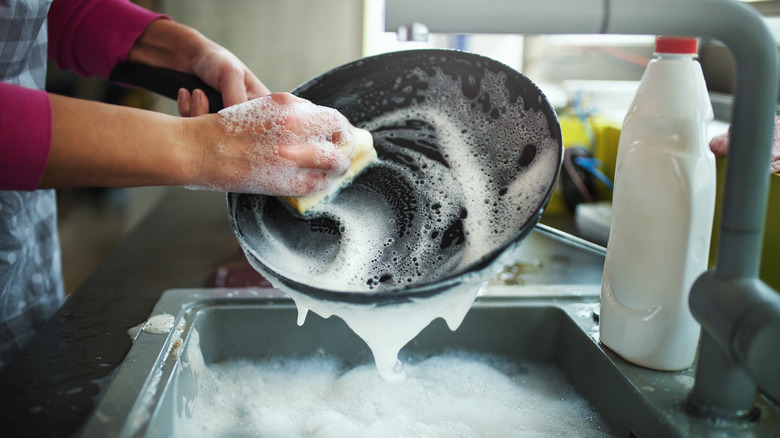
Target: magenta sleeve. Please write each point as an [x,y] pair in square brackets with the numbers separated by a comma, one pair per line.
[25,136]
[92,36]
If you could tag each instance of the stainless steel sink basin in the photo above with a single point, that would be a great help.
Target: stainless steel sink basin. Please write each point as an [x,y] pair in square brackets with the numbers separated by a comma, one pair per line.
[554,324]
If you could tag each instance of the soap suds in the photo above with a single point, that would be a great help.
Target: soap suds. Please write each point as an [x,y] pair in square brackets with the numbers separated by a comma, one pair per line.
[387,329]
[456,394]
[159,324]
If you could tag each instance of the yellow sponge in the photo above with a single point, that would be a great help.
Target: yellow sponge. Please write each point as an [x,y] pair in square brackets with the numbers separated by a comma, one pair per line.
[363,155]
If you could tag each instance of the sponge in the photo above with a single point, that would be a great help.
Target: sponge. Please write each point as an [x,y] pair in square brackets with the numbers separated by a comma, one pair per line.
[363,155]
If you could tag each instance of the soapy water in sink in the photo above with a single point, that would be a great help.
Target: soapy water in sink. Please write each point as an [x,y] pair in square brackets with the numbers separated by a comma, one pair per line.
[456,394]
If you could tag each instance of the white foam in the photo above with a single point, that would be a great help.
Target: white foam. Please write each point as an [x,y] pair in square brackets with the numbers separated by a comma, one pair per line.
[387,329]
[159,324]
[456,394]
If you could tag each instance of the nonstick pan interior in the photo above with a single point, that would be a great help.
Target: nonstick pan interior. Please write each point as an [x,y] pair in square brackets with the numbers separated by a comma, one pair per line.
[469,151]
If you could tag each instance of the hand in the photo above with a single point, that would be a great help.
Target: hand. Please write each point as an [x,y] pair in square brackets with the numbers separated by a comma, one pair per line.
[278,145]
[224,72]
[165,43]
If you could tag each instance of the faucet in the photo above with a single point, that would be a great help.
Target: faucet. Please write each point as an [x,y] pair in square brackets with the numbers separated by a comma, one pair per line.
[739,315]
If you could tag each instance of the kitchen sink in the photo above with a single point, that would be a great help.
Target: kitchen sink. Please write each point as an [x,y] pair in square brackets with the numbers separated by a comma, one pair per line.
[553,324]
[255,324]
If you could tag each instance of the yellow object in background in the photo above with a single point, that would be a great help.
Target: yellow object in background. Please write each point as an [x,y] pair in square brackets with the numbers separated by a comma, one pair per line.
[770,253]
[606,133]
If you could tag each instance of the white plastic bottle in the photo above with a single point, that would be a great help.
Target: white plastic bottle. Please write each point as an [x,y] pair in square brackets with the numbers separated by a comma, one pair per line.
[662,212]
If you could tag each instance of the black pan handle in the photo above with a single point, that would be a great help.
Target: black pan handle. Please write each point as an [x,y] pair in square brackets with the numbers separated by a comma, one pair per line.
[163,81]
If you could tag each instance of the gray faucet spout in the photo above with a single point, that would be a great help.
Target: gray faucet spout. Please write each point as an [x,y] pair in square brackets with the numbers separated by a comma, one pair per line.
[740,318]
[740,315]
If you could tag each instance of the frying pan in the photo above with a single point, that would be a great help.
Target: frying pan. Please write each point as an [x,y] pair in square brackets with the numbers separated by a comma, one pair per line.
[469,151]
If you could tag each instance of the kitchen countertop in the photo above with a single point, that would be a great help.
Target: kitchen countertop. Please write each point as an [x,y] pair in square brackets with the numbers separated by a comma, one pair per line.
[56,382]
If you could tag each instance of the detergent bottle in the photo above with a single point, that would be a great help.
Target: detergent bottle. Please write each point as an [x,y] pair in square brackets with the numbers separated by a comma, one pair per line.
[662,213]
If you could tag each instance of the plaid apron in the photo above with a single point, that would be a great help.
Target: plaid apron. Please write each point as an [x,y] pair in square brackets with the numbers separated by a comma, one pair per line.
[30,272]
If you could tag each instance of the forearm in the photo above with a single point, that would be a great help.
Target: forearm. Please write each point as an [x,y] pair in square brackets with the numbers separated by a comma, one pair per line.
[167,44]
[280,145]
[95,144]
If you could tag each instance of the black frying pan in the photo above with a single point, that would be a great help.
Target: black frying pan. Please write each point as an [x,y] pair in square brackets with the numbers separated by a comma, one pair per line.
[469,153]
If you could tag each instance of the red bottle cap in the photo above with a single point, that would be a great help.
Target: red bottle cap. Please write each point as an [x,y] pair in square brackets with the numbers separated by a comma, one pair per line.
[679,45]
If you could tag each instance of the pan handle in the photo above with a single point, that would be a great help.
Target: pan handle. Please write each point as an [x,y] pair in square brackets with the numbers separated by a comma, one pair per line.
[163,81]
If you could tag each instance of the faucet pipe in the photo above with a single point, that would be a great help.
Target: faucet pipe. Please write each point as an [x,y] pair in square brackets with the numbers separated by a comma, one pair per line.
[741,330]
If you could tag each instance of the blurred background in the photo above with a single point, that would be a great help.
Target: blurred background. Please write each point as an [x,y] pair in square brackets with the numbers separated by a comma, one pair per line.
[589,78]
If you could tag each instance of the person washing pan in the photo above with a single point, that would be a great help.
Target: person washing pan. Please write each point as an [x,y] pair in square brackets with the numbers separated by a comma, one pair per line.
[273,144]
